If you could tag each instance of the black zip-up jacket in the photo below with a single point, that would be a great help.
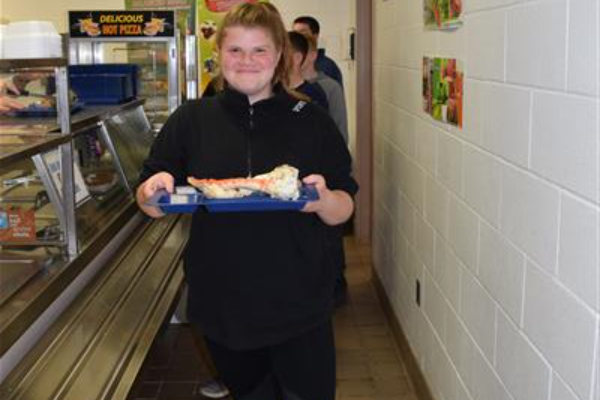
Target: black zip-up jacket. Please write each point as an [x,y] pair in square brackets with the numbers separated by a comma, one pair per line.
[255,279]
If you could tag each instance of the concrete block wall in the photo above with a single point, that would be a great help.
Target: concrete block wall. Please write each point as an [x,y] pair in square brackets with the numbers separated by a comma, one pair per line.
[498,221]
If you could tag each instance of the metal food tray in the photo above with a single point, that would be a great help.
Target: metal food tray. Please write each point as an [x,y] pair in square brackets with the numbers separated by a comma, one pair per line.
[185,202]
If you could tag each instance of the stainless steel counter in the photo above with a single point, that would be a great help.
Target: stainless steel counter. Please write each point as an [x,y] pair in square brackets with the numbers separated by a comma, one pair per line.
[97,346]
[35,272]
[46,276]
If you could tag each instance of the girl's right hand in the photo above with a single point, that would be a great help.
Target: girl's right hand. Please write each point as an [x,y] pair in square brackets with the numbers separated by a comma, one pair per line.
[159,181]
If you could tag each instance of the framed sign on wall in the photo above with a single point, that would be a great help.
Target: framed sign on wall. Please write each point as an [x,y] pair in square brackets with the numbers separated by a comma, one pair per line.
[442,14]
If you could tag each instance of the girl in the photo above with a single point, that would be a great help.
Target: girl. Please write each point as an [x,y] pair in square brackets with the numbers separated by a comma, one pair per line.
[260,284]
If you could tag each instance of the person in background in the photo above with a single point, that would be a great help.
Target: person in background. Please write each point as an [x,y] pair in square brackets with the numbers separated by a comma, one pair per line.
[309,26]
[337,110]
[334,92]
[299,47]
[260,283]
[15,85]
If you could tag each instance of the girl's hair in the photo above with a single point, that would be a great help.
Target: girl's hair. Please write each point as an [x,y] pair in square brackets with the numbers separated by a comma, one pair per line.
[267,17]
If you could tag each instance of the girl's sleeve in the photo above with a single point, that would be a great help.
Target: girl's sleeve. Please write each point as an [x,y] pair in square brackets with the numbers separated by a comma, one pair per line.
[336,159]
[168,152]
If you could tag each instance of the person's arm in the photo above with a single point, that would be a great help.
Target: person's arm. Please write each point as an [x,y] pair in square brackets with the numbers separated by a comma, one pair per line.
[337,108]
[7,104]
[336,74]
[16,84]
[333,180]
[331,69]
[165,165]
[334,207]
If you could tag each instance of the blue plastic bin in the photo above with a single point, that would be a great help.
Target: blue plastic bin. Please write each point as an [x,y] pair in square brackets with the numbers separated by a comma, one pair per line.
[104,83]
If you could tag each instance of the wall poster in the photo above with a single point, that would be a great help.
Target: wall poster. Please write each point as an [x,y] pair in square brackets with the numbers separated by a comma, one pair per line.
[443,89]
[210,14]
[442,14]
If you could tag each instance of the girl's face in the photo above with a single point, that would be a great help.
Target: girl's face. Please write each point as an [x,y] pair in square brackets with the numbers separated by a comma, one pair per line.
[248,61]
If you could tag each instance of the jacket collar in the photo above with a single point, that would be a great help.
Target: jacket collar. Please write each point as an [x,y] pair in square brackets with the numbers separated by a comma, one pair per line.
[238,102]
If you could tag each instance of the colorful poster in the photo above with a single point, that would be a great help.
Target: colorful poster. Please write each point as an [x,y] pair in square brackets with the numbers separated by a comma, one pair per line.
[210,14]
[443,90]
[442,14]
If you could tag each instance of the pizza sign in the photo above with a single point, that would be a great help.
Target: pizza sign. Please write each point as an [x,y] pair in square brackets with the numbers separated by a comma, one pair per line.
[91,24]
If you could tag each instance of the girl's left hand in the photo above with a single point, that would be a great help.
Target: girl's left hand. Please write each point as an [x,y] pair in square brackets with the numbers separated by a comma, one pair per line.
[333,207]
[324,193]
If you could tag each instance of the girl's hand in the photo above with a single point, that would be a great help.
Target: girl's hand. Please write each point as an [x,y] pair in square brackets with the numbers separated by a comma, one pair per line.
[333,207]
[324,193]
[159,181]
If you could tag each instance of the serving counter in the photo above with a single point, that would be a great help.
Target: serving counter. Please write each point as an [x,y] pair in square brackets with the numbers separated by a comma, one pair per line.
[67,218]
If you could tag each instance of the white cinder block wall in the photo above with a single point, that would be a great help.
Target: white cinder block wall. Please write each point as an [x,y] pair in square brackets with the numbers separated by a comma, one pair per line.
[498,221]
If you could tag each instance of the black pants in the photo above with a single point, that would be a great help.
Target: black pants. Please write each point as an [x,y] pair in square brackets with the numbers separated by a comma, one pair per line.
[301,368]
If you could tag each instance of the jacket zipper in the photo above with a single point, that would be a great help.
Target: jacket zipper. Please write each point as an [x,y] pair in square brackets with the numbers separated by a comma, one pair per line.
[249,143]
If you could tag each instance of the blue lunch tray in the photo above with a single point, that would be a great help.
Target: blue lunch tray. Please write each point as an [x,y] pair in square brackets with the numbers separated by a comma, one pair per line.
[189,203]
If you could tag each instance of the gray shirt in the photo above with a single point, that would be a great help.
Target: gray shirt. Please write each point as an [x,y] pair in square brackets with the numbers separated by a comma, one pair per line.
[336,100]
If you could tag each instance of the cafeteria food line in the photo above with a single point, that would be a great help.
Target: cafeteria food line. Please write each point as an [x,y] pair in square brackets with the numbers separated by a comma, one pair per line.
[70,232]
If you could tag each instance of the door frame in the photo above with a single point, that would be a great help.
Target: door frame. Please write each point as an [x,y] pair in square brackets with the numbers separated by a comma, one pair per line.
[364,120]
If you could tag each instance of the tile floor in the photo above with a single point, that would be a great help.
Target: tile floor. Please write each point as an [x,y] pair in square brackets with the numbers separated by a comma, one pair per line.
[369,367]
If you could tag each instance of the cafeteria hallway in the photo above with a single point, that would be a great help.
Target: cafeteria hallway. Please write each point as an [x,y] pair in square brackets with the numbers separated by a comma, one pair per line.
[474,260]
[369,366]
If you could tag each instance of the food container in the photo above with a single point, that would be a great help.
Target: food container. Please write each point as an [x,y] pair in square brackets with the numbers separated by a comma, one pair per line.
[31,39]
[100,182]
[102,88]
[131,70]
